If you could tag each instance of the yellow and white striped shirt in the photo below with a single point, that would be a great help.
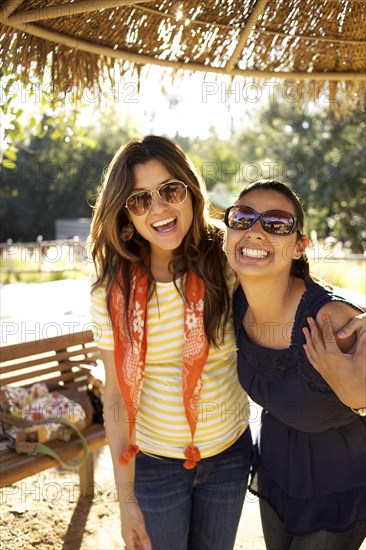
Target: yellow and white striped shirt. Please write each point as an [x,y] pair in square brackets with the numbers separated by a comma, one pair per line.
[162,427]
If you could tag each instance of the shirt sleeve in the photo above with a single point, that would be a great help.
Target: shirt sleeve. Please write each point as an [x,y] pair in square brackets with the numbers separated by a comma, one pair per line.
[102,326]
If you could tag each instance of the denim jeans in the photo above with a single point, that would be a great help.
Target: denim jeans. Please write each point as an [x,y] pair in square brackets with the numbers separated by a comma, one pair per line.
[277,539]
[196,509]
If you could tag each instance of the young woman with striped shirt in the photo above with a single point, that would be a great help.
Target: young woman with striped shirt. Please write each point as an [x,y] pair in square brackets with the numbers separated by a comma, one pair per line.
[176,416]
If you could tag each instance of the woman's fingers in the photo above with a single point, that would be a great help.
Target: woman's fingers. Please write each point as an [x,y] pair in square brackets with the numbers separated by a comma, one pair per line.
[328,333]
[309,349]
[316,337]
[142,539]
[312,340]
[357,324]
[360,348]
[318,344]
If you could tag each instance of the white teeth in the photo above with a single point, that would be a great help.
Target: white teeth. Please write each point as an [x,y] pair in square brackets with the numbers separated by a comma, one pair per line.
[163,222]
[253,252]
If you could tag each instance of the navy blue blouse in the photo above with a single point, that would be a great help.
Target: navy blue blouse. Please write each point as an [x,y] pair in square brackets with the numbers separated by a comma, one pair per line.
[311,462]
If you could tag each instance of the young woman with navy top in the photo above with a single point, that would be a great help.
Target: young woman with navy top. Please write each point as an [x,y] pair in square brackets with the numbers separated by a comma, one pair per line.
[310,469]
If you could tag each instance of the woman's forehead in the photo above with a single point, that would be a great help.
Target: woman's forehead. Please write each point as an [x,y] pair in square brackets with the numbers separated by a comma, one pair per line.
[268,199]
[150,174]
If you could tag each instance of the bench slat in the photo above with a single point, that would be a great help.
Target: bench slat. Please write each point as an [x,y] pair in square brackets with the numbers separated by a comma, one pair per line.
[44,376]
[14,467]
[81,354]
[37,347]
[45,369]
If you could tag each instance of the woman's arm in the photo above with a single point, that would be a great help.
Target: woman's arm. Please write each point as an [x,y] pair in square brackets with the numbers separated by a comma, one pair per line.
[341,362]
[117,428]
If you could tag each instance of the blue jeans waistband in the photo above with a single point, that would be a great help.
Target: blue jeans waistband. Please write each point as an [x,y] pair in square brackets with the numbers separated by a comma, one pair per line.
[243,441]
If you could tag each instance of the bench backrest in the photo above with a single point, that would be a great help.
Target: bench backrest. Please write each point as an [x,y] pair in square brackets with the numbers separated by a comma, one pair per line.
[60,361]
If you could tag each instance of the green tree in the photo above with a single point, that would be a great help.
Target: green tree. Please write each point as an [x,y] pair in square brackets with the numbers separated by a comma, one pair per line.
[56,176]
[41,187]
[216,159]
[322,158]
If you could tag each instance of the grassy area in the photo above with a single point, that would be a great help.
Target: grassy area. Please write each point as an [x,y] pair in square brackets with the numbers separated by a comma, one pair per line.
[341,272]
[41,277]
[43,262]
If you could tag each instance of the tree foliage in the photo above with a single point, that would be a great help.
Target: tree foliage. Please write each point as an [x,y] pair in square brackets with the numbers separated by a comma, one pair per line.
[61,158]
[57,175]
[323,159]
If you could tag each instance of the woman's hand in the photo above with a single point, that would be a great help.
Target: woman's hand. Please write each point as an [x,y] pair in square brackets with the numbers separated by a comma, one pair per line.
[357,324]
[133,527]
[344,372]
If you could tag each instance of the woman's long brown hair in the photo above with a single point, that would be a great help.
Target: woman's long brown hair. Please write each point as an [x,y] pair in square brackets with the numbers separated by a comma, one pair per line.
[200,250]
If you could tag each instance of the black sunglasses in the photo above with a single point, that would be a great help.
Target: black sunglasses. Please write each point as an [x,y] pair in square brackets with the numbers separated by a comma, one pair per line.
[275,222]
[172,192]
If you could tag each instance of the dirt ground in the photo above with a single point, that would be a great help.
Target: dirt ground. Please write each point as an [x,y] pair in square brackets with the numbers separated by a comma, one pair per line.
[43,512]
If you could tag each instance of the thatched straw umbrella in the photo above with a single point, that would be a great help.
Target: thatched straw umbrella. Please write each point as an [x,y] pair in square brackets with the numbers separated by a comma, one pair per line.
[320,43]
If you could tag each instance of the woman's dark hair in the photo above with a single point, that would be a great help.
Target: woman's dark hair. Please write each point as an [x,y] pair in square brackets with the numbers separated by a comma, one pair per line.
[200,250]
[299,268]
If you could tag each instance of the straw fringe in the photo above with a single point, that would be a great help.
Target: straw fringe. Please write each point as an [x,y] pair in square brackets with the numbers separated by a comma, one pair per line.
[320,45]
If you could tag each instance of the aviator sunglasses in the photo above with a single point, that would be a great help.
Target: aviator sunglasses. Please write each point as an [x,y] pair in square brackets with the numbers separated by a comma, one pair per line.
[171,192]
[275,222]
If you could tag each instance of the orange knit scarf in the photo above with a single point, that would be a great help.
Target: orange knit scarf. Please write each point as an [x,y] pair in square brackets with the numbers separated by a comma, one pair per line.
[130,353]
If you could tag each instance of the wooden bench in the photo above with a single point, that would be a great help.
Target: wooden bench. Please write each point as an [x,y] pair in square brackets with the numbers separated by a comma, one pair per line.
[62,362]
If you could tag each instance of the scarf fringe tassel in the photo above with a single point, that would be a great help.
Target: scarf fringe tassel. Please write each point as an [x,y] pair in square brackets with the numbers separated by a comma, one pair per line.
[129,452]
[192,455]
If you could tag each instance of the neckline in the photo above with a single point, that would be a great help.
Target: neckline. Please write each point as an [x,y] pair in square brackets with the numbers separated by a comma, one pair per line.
[298,315]
[178,281]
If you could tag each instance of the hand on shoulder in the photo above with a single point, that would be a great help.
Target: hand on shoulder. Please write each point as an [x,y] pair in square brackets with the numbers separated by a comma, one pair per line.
[337,314]
[341,362]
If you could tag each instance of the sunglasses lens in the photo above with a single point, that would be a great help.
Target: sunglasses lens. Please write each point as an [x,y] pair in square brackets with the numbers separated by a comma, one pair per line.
[139,203]
[277,222]
[173,192]
[239,217]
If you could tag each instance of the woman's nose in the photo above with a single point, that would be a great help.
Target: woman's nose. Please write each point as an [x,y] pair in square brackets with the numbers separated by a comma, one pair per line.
[157,201]
[255,229]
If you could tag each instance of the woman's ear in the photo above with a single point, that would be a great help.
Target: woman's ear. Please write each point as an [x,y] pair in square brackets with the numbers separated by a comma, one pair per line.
[300,247]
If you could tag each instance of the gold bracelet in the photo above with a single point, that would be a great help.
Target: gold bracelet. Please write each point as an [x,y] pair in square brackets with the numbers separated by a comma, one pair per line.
[360,412]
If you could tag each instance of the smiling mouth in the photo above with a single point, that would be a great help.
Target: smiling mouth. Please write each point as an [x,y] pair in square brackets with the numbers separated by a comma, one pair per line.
[254,253]
[163,226]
